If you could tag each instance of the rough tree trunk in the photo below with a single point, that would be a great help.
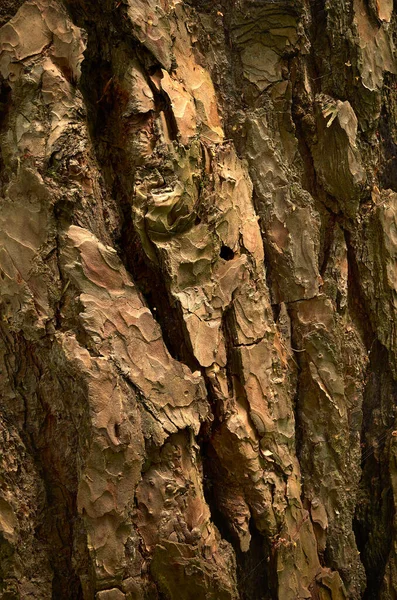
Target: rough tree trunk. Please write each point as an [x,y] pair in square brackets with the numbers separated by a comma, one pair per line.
[198,293]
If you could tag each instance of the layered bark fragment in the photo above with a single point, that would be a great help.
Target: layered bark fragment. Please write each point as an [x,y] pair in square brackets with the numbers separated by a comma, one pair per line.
[197,296]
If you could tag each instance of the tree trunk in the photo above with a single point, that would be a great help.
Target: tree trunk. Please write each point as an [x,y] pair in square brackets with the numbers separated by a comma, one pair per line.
[198,293]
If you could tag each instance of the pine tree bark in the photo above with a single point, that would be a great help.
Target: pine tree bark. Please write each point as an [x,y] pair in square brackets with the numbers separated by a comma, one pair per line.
[198,245]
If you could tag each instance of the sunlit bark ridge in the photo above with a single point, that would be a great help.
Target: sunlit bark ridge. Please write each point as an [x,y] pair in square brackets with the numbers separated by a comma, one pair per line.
[198,294]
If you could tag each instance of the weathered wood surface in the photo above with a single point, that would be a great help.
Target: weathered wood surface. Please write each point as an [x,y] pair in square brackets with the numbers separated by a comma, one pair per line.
[198,293]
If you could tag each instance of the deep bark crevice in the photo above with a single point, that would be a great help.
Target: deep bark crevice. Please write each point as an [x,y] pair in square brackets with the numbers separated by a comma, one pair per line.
[41,433]
[388,142]
[252,573]
[375,510]
[253,568]
[148,277]
[374,506]
[151,284]
[356,301]
[120,130]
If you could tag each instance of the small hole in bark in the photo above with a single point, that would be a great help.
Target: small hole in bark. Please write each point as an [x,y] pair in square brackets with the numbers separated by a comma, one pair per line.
[226,253]
[117,430]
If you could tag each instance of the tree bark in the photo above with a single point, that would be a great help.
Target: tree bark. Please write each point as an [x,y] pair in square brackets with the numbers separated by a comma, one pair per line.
[198,292]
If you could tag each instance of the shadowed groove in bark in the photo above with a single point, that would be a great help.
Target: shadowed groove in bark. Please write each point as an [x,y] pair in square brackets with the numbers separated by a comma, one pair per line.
[253,575]
[253,565]
[43,430]
[374,509]
[150,281]
[271,281]
[388,141]
[228,43]
[149,278]
[256,579]
[375,503]
[356,299]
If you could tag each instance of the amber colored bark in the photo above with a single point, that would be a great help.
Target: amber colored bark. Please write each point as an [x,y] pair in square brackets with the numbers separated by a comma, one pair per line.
[198,292]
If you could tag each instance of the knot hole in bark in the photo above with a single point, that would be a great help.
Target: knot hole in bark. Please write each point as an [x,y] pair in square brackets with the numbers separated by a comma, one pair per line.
[226,253]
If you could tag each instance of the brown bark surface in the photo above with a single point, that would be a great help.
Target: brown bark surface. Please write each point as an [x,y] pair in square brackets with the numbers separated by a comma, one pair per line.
[198,294]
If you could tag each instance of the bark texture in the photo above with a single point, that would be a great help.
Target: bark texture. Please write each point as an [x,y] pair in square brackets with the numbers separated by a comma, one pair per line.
[198,294]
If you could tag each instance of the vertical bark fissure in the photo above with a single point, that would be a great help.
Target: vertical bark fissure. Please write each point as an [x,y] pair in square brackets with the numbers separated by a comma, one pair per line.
[197,290]
[374,508]
[54,528]
[148,276]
